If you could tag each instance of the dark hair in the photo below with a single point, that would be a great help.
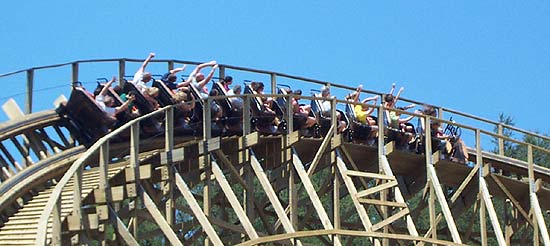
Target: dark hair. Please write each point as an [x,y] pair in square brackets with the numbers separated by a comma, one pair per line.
[297,92]
[254,85]
[118,89]
[227,79]
[388,98]
[172,78]
[429,110]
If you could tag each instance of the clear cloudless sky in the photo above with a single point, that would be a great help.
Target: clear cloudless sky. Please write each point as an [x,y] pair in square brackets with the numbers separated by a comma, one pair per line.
[479,57]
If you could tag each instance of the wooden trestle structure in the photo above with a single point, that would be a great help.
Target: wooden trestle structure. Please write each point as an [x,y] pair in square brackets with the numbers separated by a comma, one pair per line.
[255,189]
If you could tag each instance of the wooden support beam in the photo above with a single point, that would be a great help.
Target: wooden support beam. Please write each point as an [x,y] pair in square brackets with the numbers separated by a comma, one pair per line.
[490,208]
[121,229]
[434,180]
[390,219]
[272,196]
[431,206]
[365,220]
[310,189]
[510,196]
[370,175]
[221,156]
[456,195]
[382,203]
[386,168]
[377,188]
[482,211]
[197,211]
[537,213]
[320,152]
[232,198]
[159,218]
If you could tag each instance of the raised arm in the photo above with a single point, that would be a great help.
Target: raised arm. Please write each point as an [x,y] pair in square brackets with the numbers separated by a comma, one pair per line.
[405,120]
[412,105]
[357,93]
[124,106]
[397,96]
[147,60]
[392,89]
[106,87]
[370,99]
[205,81]
[371,109]
[177,70]
[199,67]
[209,77]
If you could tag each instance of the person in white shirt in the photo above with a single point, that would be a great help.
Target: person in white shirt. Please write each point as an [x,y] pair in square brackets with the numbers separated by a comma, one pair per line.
[326,108]
[107,103]
[141,77]
[198,80]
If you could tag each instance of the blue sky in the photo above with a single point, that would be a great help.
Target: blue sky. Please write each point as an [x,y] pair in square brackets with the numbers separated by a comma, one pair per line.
[479,57]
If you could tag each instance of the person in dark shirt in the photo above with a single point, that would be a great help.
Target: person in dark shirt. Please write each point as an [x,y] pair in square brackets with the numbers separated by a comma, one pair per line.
[170,78]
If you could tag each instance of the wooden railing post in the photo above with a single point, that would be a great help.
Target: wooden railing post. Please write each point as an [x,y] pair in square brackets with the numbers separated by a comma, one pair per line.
[104,191]
[170,65]
[168,190]
[273,83]
[482,205]
[289,114]
[500,140]
[121,71]
[333,119]
[30,85]
[440,113]
[381,154]
[221,72]
[134,164]
[248,196]
[207,134]
[56,223]
[74,72]
[77,205]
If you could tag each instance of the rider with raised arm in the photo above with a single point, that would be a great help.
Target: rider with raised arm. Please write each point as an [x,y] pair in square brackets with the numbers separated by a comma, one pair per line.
[170,78]
[141,77]
[362,112]
[198,80]
[107,103]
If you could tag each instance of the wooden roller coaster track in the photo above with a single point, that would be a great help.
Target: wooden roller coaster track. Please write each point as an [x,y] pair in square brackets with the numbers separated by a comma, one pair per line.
[256,189]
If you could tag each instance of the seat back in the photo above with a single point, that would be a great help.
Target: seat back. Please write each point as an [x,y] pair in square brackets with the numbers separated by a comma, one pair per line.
[166,96]
[87,115]
[141,103]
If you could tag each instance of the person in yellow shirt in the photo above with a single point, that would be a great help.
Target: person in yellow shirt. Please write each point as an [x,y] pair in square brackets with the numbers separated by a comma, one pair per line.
[362,111]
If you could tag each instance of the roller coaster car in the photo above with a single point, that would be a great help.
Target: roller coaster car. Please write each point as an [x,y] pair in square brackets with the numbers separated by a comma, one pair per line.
[232,116]
[262,120]
[141,103]
[455,149]
[217,128]
[357,130]
[87,116]
[324,120]
[166,96]
[150,125]
[123,116]
[403,139]
[298,120]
